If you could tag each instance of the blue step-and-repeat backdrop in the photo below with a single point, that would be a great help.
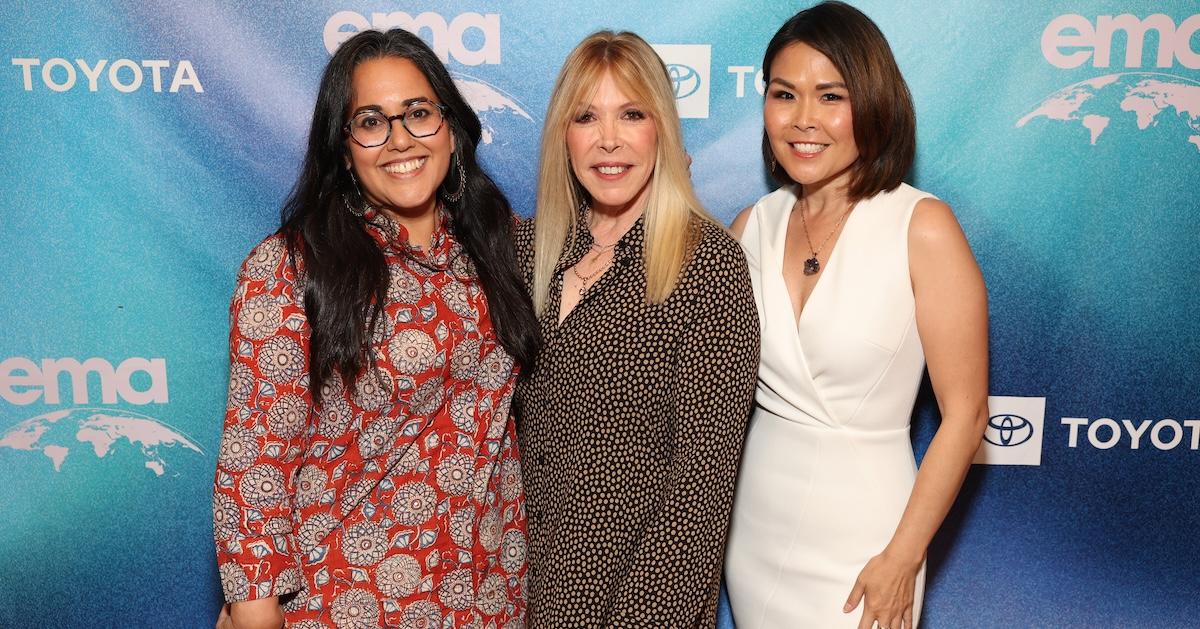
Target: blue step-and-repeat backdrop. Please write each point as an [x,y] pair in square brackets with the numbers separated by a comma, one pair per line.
[148,145]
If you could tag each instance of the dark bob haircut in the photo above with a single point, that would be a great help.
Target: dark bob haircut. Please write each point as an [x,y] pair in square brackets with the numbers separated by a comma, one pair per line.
[885,127]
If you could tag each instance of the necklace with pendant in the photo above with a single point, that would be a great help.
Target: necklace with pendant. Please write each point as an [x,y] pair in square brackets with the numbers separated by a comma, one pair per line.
[584,279]
[600,251]
[812,265]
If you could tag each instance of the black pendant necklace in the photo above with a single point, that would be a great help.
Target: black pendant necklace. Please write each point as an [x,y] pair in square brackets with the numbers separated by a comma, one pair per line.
[812,265]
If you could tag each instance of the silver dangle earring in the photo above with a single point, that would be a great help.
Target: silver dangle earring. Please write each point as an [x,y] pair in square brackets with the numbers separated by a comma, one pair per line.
[773,163]
[462,182]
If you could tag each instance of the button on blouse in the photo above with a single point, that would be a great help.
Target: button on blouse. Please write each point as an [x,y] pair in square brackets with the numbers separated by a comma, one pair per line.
[630,426]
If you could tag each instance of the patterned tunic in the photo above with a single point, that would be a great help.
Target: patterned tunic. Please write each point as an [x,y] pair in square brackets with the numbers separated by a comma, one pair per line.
[630,428]
[396,500]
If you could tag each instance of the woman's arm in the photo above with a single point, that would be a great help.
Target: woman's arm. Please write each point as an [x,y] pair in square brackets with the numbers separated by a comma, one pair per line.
[267,413]
[951,305]
[738,226]
[263,613]
[676,568]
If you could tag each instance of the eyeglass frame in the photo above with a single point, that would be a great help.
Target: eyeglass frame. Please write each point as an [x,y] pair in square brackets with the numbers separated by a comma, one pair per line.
[403,123]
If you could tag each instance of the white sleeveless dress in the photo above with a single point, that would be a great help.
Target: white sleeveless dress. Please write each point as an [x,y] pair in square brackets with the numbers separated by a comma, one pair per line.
[828,466]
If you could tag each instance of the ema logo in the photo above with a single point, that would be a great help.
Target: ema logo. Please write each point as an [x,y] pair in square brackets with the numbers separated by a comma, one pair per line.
[135,381]
[1084,40]
[689,68]
[472,39]
[1014,431]
[124,75]
[1120,106]
[85,439]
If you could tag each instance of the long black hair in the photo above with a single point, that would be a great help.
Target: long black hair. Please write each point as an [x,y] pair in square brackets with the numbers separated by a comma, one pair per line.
[346,273]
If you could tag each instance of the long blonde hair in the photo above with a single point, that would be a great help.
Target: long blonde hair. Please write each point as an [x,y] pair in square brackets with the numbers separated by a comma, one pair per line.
[672,214]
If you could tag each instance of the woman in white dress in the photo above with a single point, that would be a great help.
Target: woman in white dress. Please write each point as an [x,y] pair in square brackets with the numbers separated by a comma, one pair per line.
[860,281]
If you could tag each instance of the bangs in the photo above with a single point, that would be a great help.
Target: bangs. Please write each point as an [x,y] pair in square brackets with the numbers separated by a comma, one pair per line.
[628,70]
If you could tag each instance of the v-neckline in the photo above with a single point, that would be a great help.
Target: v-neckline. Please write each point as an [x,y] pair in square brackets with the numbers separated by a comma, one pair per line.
[798,318]
[561,318]
[629,244]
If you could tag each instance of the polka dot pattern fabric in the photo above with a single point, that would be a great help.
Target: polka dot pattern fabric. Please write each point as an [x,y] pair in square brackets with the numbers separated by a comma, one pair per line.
[394,500]
[630,427]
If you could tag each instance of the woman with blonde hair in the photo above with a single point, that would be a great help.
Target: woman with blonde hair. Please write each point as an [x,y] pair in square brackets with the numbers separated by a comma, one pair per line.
[631,422]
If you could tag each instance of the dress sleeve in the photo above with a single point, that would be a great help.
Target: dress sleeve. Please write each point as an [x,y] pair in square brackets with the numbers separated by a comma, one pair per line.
[523,239]
[266,419]
[675,573]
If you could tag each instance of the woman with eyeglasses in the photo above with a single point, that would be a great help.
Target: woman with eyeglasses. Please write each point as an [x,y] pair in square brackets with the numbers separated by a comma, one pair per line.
[368,472]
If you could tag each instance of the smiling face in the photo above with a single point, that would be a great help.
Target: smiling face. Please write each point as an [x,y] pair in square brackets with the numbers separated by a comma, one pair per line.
[402,175]
[807,117]
[613,144]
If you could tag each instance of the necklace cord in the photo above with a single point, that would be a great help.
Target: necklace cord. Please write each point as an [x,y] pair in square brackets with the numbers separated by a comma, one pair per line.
[812,265]
[600,251]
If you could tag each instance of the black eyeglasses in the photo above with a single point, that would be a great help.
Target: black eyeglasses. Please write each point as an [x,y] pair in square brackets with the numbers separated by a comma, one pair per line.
[372,128]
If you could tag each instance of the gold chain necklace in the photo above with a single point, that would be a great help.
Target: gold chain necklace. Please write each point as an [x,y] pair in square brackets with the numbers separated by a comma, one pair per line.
[600,251]
[812,265]
[584,279]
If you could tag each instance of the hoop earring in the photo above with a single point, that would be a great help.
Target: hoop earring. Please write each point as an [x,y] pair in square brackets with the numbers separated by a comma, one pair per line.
[357,212]
[462,183]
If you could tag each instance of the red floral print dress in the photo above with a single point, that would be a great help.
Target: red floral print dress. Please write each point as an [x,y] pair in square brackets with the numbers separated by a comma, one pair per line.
[396,499]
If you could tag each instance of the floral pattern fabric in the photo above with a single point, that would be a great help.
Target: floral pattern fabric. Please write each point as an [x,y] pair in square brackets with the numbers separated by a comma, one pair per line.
[394,500]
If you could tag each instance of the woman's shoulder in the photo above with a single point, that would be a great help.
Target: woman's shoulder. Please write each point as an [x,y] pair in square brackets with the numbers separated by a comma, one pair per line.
[771,207]
[266,259]
[716,271]
[778,201]
[903,195]
[738,226]
[523,232]
[716,249]
[274,242]
[711,235]
[933,224]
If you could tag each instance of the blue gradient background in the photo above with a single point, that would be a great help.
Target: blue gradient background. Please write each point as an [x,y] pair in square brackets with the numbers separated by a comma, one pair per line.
[126,215]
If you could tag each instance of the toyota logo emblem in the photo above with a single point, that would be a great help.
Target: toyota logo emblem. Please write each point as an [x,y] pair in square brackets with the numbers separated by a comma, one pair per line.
[1007,430]
[684,79]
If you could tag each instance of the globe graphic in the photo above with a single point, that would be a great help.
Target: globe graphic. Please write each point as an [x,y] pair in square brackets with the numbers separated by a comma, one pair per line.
[1125,101]
[87,436]
[505,142]
[100,500]
[492,105]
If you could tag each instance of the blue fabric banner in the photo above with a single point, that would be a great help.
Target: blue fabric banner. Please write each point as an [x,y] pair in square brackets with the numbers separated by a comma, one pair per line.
[148,145]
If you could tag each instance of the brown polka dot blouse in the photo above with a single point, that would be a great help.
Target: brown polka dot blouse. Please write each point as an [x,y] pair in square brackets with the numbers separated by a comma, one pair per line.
[630,428]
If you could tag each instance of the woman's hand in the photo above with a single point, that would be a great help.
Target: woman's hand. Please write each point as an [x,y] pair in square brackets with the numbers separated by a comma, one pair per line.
[257,614]
[888,584]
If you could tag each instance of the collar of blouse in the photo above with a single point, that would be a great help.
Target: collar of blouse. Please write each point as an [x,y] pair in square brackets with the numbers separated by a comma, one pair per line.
[628,249]
[444,250]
